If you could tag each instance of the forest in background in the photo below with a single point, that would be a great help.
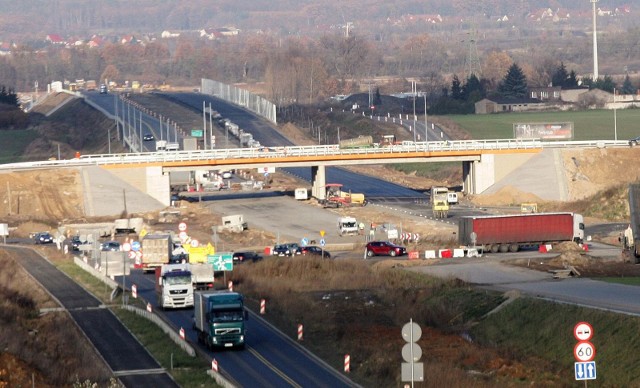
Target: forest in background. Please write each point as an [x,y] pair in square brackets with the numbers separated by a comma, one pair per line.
[307,68]
[39,17]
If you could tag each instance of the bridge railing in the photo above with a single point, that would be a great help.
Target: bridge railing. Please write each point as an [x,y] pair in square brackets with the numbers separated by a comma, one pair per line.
[426,148]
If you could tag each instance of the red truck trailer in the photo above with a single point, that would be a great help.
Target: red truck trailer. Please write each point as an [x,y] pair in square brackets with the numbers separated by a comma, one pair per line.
[508,233]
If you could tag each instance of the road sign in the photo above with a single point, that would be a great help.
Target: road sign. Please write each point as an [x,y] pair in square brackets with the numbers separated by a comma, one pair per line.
[221,261]
[126,247]
[583,331]
[195,243]
[585,370]
[584,351]
[411,351]
[411,332]
[132,255]
[322,242]
[418,371]
[135,246]
[304,242]
[322,233]
[182,226]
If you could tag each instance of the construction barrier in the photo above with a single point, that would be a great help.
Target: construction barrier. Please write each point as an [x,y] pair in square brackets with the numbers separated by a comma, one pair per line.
[445,253]
[429,254]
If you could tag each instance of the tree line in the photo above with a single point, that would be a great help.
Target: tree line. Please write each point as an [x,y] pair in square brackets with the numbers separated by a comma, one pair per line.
[294,70]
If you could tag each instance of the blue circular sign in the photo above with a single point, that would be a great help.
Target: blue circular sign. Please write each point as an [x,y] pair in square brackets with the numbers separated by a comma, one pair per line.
[304,241]
[135,245]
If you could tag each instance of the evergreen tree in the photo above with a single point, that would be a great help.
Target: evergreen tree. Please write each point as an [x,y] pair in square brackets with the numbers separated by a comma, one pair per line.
[473,89]
[572,81]
[560,76]
[514,84]
[377,100]
[456,89]
[8,96]
[627,86]
[605,84]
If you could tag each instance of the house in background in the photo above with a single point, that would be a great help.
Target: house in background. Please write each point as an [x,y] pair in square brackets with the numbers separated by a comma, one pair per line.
[501,104]
[551,93]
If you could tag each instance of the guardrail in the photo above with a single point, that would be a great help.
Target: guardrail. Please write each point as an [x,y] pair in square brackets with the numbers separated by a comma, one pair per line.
[428,148]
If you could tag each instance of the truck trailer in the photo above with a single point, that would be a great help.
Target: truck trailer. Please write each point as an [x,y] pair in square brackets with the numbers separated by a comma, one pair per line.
[219,319]
[202,275]
[358,142]
[509,233]
[156,250]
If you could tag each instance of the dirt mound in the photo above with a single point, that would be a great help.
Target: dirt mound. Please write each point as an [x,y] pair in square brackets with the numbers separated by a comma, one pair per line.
[571,258]
[507,195]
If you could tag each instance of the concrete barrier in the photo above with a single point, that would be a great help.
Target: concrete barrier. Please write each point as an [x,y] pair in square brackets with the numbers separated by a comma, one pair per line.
[173,334]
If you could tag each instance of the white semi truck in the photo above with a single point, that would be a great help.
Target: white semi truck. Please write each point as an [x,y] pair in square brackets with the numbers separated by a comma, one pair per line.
[174,286]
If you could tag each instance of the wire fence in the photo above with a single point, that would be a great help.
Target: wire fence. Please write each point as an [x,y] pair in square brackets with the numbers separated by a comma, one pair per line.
[244,98]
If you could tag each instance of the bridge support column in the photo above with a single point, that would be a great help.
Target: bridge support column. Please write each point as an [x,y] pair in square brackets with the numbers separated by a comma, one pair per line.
[318,182]
[468,182]
[479,175]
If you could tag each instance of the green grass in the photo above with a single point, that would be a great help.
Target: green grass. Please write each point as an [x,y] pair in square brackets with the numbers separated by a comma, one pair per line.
[187,371]
[587,125]
[14,143]
[544,330]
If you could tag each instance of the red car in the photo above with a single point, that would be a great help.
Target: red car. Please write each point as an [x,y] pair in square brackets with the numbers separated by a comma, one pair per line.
[386,248]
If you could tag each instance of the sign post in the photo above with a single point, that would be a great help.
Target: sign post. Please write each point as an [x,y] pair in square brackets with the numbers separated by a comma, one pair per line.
[412,370]
[584,352]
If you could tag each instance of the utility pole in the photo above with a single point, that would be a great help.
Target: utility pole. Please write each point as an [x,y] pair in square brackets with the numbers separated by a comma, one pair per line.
[595,42]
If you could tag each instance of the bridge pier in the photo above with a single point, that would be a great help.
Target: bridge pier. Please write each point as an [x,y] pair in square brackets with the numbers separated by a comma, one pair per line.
[318,182]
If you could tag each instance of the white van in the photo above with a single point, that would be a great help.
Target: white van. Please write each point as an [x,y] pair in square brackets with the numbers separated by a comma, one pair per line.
[452,198]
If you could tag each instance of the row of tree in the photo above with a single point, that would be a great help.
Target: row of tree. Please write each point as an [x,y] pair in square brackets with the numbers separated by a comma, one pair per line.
[294,70]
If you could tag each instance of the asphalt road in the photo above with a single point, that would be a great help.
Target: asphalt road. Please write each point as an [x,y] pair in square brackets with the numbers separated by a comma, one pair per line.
[270,358]
[492,271]
[267,135]
[117,346]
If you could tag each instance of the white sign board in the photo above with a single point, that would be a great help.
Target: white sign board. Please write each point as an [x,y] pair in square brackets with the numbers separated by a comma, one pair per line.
[583,331]
[584,351]
[4,229]
[266,170]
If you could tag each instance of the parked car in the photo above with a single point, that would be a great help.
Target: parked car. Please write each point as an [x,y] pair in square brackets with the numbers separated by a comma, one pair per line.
[43,238]
[148,137]
[387,248]
[110,246]
[289,249]
[313,250]
[634,142]
[245,256]
[226,175]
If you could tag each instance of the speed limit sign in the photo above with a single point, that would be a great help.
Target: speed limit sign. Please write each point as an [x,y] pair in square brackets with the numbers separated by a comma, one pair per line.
[584,351]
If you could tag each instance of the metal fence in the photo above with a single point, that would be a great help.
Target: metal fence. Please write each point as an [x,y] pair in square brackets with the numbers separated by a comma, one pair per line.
[244,98]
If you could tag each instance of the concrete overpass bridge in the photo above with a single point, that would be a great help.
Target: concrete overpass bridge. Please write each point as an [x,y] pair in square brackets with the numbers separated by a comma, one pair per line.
[484,162]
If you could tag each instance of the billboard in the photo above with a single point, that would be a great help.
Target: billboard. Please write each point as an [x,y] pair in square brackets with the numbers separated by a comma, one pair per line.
[543,131]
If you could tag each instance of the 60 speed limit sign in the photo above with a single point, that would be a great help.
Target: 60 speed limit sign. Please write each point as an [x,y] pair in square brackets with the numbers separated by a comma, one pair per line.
[584,351]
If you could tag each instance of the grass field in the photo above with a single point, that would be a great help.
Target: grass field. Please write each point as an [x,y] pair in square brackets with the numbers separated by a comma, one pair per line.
[14,144]
[587,125]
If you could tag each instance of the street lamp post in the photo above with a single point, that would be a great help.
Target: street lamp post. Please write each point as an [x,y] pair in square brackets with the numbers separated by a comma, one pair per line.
[615,117]
[426,127]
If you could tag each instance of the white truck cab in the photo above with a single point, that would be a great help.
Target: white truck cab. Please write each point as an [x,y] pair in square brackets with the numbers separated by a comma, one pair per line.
[347,226]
